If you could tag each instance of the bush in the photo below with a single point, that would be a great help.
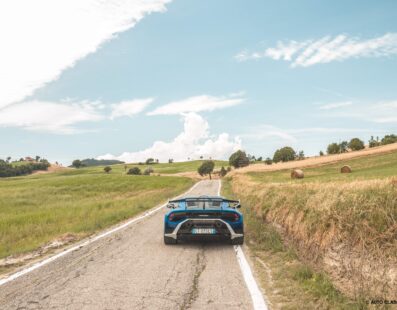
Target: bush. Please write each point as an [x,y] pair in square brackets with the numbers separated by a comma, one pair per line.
[170,161]
[388,139]
[284,154]
[77,163]
[148,171]
[222,172]
[134,171]
[343,146]
[238,159]
[321,153]
[268,161]
[356,144]
[373,143]
[107,169]
[206,168]
[228,169]
[333,148]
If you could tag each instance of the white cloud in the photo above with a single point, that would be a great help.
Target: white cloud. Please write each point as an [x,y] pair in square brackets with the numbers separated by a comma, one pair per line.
[326,49]
[42,38]
[194,141]
[55,117]
[198,104]
[129,108]
[335,105]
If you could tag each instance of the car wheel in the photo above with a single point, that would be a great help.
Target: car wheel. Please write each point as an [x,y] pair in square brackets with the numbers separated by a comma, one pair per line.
[169,240]
[237,241]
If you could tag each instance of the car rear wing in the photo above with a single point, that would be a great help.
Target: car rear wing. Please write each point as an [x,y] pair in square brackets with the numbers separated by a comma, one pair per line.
[232,203]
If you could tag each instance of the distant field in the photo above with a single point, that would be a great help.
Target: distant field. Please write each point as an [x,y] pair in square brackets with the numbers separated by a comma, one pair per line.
[364,168]
[38,208]
[162,168]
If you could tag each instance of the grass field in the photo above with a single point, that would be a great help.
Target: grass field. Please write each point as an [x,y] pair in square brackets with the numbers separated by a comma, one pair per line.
[341,224]
[38,208]
[364,168]
[161,168]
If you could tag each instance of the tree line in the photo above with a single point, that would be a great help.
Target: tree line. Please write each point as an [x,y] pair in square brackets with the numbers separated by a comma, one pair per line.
[7,169]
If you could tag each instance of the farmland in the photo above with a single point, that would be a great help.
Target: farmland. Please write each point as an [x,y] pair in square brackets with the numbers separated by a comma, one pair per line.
[37,209]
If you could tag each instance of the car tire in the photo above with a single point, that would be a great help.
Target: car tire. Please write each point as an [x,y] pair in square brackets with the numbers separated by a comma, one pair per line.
[169,240]
[237,241]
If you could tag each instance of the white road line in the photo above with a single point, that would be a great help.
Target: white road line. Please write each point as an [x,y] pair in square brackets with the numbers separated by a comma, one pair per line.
[256,295]
[85,243]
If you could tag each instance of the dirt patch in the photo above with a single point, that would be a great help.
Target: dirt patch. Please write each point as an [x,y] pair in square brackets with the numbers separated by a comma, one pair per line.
[51,169]
[17,260]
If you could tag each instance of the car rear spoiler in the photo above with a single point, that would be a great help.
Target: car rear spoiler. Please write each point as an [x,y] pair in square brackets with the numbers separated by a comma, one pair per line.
[230,201]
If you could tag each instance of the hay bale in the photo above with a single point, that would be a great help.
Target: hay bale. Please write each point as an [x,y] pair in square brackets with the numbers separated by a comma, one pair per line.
[346,169]
[297,174]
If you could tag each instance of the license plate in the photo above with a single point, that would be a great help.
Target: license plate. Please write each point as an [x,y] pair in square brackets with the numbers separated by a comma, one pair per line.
[203,231]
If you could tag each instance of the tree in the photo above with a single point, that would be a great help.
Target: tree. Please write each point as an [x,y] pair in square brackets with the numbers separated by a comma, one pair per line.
[284,154]
[8,159]
[170,161]
[222,172]
[134,171]
[77,163]
[356,144]
[268,161]
[107,169]
[37,157]
[201,157]
[149,161]
[388,139]
[321,153]
[301,155]
[238,159]
[373,143]
[260,158]
[206,168]
[333,148]
[343,146]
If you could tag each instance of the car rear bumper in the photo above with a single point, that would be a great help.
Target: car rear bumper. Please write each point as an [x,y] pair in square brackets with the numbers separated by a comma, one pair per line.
[223,228]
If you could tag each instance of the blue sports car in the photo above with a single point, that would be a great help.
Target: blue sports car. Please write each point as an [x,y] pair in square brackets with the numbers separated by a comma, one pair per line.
[203,217]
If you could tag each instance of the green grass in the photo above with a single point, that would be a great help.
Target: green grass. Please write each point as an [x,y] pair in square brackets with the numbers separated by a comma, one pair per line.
[38,208]
[364,168]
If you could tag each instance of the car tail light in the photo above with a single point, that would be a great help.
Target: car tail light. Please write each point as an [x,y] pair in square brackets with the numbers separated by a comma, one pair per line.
[236,217]
[171,217]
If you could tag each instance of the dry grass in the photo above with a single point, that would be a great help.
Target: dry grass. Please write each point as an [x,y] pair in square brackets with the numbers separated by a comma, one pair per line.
[348,229]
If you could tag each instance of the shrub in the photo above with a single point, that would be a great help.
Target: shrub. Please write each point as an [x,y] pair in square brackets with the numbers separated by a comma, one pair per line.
[301,155]
[228,169]
[268,161]
[148,171]
[356,144]
[238,159]
[77,163]
[343,146]
[170,161]
[134,171]
[222,172]
[284,154]
[206,168]
[321,153]
[107,169]
[372,142]
[388,139]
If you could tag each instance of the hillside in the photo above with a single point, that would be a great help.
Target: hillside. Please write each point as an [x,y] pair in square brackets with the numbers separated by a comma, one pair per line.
[340,225]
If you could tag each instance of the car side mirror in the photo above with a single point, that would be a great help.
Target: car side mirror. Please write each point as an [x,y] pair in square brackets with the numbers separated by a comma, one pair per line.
[170,205]
[238,206]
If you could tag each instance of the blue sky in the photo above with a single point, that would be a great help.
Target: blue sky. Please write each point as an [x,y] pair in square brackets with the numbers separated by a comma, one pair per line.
[221,75]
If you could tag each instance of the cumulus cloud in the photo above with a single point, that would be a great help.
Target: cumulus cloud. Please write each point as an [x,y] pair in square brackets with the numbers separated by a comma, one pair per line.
[198,104]
[327,49]
[129,108]
[54,117]
[194,141]
[42,38]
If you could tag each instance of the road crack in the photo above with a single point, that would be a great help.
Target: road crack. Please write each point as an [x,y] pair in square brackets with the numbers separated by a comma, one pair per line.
[193,291]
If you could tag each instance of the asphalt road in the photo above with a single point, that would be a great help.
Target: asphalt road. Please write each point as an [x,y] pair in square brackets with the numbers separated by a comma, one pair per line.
[133,269]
